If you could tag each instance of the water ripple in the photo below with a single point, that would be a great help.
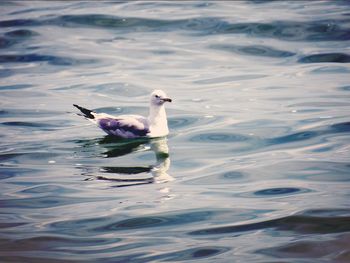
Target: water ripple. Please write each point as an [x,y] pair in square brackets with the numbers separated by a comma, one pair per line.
[258,149]
[322,30]
[326,57]
[9,172]
[25,112]
[157,221]
[310,134]
[181,122]
[44,202]
[335,250]
[280,191]
[196,253]
[219,137]
[255,50]
[53,60]
[302,223]
[21,33]
[215,179]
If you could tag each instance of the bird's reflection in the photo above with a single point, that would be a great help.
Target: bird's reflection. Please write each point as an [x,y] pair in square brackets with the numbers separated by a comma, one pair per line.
[133,175]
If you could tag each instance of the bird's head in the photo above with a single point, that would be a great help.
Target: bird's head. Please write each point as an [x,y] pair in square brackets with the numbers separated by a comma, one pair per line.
[158,97]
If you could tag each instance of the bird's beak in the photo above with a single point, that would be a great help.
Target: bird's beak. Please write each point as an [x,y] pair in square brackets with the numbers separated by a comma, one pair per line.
[167,99]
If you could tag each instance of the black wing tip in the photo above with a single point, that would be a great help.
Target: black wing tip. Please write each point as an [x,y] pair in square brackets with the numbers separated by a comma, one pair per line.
[87,113]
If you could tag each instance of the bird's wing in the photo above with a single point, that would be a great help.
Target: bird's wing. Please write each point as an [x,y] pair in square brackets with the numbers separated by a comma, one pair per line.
[125,126]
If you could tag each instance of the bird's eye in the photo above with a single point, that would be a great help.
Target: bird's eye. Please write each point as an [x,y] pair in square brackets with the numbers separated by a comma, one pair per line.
[156,96]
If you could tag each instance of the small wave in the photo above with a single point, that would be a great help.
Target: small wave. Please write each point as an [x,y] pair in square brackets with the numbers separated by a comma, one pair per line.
[21,33]
[5,42]
[230,78]
[302,223]
[10,225]
[9,172]
[290,30]
[157,221]
[54,60]
[48,188]
[295,137]
[219,137]
[25,112]
[310,134]
[42,126]
[326,57]
[323,30]
[108,21]
[181,122]
[196,253]
[45,201]
[254,50]
[119,89]
[216,179]
[280,191]
[14,37]
[15,87]
[340,127]
[26,124]
[19,22]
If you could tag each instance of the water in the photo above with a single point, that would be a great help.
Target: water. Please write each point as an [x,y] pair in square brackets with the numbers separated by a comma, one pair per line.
[256,168]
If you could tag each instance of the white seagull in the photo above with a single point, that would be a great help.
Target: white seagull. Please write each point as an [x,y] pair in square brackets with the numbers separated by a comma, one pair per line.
[134,126]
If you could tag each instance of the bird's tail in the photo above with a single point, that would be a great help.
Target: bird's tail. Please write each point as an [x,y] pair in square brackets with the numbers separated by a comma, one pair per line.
[86,113]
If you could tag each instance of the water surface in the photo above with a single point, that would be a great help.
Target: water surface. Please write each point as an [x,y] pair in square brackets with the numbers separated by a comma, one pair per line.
[255,169]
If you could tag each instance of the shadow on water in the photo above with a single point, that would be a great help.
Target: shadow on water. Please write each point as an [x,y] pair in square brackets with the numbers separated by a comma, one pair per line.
[113,147]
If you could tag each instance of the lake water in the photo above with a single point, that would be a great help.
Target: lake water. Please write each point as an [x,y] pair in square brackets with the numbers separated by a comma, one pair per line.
[257,164]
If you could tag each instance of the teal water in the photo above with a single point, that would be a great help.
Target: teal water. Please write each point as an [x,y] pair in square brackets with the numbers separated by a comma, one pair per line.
[256,166]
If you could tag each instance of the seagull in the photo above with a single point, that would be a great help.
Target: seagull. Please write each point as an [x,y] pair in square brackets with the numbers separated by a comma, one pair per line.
[134,126]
